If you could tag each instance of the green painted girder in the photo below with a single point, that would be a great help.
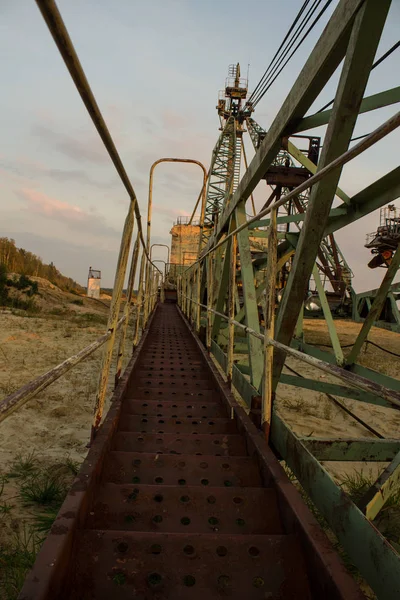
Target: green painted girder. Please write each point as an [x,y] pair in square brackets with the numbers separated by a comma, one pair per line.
[352,449]
[395,287]
[376,308]
[220,181]
[239,381]
[367,548]
[222,289]
[334,389]
[310,166]
[297,218]
[328,357]
[328,317]
[369,103]
[320,66]
[384,487]
[249,298]
[364,40]
[381,192]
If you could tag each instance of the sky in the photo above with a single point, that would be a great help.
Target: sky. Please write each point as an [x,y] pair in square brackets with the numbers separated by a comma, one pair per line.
[155,68]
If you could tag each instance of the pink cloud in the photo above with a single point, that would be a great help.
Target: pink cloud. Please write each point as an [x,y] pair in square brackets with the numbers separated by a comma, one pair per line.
[70,215]
[51,207]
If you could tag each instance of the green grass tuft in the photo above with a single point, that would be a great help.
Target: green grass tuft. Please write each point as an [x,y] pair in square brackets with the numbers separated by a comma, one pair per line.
[24,465]
[16,560]
[72,465]
[44,489]
[357,484]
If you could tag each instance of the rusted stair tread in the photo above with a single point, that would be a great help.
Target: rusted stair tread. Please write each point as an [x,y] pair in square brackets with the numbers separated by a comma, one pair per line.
[114,564]
[173,374]
[139,467]
[170,382]
[152,368]
[186,443]
[176,425]
[181,508]
[169,409]
[164,355]
[148,393]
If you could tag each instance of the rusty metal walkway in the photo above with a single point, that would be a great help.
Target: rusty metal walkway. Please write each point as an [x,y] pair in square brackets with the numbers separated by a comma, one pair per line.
[181,497]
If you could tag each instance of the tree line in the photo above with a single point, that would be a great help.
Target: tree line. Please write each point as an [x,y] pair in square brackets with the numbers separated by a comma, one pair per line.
[19,260]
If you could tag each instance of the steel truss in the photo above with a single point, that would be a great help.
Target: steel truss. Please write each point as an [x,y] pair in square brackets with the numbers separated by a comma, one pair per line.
[234,307]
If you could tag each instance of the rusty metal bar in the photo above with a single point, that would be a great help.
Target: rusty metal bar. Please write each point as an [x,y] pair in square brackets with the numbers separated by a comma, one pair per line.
[61,37]
[149,213]
[358,381]
[139,301]
[269,316]
[198,307]
[161,246]
[127,309]
[34,387]
[112,320]
[59,32]
[210,267]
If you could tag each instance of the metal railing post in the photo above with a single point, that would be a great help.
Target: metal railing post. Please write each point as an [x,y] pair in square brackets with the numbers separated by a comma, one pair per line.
[161,246]
[113,318]
[209,300]
[139,300]
[127,309]
[198,307]
[269,312]
[231,309]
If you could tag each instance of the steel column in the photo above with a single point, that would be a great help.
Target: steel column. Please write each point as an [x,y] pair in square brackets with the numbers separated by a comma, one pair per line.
[364,39]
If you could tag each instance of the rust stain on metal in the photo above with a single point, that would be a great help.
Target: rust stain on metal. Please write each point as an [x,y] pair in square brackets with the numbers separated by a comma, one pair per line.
[171,477]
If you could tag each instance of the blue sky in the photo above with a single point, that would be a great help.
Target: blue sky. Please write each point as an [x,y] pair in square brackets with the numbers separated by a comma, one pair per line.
[155,68]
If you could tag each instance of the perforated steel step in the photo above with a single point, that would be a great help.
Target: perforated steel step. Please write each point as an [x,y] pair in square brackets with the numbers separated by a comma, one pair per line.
[138,467]
[170,409]
[115,564]
[185,443]
[181,508]
[177,425]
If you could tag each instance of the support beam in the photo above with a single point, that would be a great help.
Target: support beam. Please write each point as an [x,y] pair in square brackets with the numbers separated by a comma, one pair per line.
[310,166]
[320,66]
[222,289]
[386,484]
[328,317]
[249,297]
[370,552]
[369,103]
[381,192]
[333,388]
[269,318]
[357,449]
[376,307]
[365,36]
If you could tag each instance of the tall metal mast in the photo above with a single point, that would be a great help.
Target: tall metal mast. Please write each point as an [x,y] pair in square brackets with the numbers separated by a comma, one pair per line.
[226,157]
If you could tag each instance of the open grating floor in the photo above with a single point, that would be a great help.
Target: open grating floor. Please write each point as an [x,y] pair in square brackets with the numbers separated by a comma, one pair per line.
[171,504]
[180,510]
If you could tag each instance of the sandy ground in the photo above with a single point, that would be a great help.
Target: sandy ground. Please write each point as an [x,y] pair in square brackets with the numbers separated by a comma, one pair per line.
[56,424]
[314,414]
